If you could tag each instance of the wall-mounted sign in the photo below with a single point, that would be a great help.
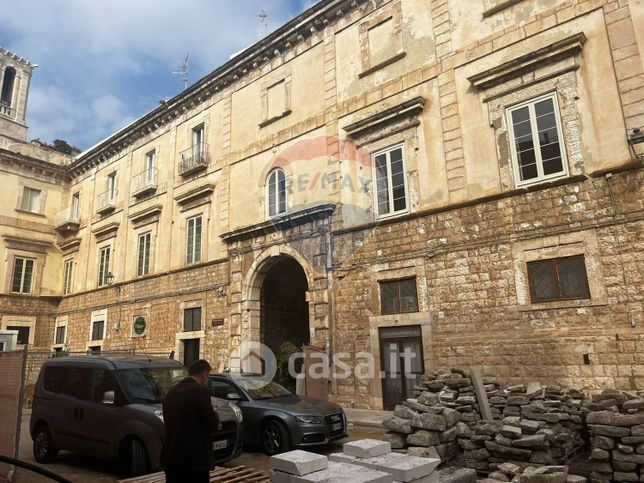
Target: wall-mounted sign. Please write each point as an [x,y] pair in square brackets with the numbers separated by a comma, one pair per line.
[139,325]
[217,322]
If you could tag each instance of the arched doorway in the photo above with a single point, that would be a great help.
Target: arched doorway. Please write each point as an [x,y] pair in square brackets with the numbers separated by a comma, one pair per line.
[284,310]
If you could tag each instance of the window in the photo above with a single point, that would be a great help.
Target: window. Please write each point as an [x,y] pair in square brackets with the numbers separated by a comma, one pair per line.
[54,379]
[67,276]
[558,279]
[276,193]
[98,330]
[75,211]
[7,86]
[198,142]
[398,296]
[111,186]
[2,346]
[104,265]
[101,382]
[150,161]
[222,389]
[31,200]
[192,319]
[144,254]
[390,183]
[60,335]
[23,333]
[193,243]
[77,382]
[23,272]
[536,145]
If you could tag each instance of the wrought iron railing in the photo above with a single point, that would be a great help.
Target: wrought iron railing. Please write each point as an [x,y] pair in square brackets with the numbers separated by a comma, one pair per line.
[194,159]
[144,182]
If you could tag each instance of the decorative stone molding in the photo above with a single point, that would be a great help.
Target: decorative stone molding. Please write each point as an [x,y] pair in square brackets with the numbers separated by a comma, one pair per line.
[286,221]
[105,232]
[195,197]
[369,63]
[273,83]
[69,246]
[146,216]
[495,6]
[528,62]
[385,123]
[26,244]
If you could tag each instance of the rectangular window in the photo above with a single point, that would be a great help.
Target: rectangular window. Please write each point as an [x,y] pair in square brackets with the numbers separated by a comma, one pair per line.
[23,333]
[111,185]
[144,254]
[198,142]
[398,296]
[67,276]
[31,200]
[98,330]
[192,319]
[390,182]
[54,379]
[558,279]
[60,335]
[150,161]
[23,273]
[537,146]
[103,265]
[193,242]
[75,210]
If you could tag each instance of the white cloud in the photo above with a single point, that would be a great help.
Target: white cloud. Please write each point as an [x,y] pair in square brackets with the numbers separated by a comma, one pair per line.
[95,55]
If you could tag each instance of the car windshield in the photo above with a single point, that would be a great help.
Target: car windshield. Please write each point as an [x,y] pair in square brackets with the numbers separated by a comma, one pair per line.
[150,384]
[258,389]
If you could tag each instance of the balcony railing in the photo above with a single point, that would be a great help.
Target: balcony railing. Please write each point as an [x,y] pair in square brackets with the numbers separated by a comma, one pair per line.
[144,182]
[194,159]
[106,202]
[6,110]
[67,221]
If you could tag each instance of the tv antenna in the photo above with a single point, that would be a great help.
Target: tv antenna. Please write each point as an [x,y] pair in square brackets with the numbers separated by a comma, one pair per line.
[263,18]
[184,71]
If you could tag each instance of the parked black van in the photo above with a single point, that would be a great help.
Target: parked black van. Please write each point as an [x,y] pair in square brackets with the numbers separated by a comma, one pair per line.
[109,406]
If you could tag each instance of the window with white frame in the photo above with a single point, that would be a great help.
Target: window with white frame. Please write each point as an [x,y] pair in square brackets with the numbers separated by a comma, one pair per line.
[198,140]
[67,276]
[276,193]
[111,186]
[390,182]
[193,241]
[75,209]
[31,200]
[536,140]
[143,266]
[150,162]
[23,274]
[104,265]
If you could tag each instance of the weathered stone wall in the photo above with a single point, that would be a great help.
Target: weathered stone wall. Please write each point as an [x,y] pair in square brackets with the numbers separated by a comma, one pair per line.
[472,260]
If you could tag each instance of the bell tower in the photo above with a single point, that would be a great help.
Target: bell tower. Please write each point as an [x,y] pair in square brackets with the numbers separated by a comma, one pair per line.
[15,75]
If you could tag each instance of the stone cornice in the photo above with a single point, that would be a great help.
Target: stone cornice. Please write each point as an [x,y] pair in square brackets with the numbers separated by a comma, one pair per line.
[34,163]
[26,244]
[286,38]
[16,58]
[528,62]
[279,223]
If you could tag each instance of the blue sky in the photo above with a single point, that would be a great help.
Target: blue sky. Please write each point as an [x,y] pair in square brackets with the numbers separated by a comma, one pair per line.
[103,63]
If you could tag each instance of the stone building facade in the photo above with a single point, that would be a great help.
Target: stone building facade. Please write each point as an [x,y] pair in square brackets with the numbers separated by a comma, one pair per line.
[374,177]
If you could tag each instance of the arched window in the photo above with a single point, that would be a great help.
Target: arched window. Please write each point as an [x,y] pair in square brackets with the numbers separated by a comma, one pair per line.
[276,193]
[7,85]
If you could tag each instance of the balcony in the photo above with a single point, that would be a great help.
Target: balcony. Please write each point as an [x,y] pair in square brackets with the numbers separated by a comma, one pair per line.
[6,110]
[106,202]
[194,159]
[145,182]
[67,221]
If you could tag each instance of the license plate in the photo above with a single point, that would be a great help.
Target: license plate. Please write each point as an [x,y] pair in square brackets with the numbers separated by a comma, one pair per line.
[219,444]
[336,426]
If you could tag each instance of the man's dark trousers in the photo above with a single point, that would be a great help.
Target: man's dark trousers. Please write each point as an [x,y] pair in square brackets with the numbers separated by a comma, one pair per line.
[186,476]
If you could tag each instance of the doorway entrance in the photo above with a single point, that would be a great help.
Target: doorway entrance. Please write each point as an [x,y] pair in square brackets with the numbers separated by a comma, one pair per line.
[400,371]
[284,310]
[190,351]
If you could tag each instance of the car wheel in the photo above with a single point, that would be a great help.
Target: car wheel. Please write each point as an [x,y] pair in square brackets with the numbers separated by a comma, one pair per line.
[138,458]
[44,449]
[275,438]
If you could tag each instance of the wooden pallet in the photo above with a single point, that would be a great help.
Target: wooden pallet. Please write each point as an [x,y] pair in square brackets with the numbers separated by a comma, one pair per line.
[238,474]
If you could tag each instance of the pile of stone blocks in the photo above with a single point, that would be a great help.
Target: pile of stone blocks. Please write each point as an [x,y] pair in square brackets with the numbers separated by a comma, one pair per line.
[616,425]
[531,474]
[376,455]
[304,467]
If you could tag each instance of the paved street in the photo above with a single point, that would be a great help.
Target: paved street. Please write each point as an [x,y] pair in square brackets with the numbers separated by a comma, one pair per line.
[82,469]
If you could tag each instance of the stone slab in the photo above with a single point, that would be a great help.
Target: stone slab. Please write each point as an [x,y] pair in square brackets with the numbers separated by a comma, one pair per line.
[402,467]
[366,448]
[343,473]
[298,462]
[433,478]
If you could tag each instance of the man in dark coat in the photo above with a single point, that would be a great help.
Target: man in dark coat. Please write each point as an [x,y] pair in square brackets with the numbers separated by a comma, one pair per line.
[190,421]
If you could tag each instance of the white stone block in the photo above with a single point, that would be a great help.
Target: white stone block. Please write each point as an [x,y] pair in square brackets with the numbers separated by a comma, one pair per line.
[402,467]
[279,477]
[433,478]
[341,458]
[344,473]
[367,448]
[298,462]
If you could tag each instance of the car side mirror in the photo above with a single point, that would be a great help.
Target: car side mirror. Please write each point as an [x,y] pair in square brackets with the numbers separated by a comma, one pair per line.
[108,397]
[233,396]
